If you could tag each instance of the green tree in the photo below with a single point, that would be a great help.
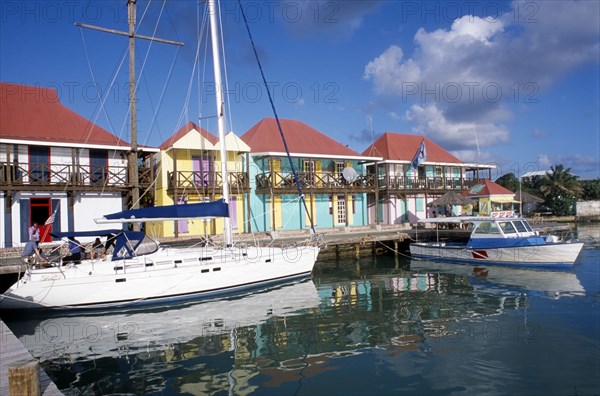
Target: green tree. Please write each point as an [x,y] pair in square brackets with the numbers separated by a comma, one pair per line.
[509,181]
[561,190]
[591,190]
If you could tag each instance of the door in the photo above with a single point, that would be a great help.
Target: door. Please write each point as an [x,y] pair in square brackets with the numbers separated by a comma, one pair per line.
[233,220]
[203,170]
[39,164]
[341,210]
[98,167]
[40,210]
[182,225]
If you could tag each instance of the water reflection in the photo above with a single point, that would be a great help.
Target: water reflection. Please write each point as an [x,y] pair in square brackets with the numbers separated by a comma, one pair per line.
[496,279]
[284,336]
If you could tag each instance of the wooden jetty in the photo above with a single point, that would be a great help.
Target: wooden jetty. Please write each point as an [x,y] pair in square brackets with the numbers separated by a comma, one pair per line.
[20,373]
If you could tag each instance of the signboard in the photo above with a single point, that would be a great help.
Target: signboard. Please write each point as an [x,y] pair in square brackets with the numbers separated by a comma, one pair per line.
[501,214]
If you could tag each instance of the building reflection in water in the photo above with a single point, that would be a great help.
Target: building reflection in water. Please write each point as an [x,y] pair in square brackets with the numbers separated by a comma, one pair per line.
[278,336]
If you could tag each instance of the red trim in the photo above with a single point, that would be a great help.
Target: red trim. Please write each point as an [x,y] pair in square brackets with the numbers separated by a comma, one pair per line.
[479,254]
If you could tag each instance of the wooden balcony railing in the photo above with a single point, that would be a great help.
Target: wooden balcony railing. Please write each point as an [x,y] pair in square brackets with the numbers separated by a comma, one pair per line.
[324,182]
[283,183]
[23,176]
[188,182]
[438,184]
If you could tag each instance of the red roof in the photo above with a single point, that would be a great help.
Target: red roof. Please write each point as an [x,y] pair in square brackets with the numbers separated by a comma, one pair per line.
[264,137]
[184,130]
[36,114]
[402,147]
[487,188]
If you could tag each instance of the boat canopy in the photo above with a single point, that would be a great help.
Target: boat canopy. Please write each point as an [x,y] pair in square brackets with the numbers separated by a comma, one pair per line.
[169,212]
[77,234]
[467,219]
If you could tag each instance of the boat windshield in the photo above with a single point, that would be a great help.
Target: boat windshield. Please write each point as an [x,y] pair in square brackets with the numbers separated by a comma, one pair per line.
[486,227]
[520,226]
[507,227]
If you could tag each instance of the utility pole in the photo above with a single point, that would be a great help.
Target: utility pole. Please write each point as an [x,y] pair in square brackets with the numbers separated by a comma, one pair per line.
[133,153]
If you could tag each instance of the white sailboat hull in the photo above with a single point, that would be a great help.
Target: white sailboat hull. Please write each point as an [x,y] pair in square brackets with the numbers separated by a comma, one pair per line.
[162,276]
[554,255]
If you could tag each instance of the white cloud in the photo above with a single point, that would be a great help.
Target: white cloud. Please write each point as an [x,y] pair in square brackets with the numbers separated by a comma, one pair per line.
[455,135]
[544,161]
[461,79]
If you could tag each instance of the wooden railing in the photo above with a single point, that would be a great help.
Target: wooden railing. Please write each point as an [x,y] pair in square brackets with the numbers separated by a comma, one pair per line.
[53,176]
[329,182]
[404,183]
[202,182]
[312,181]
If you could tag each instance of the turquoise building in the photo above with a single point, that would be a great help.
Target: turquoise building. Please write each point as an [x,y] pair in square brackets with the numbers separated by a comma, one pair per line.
[333,179]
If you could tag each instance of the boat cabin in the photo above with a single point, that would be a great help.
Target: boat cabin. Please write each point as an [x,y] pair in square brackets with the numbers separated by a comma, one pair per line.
[502,228]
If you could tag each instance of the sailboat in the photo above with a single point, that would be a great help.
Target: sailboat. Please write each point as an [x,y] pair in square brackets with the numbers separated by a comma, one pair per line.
[140,271]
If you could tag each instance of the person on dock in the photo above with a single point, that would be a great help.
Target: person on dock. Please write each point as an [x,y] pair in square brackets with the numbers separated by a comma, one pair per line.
[34,232]
[31,253]
[75,250]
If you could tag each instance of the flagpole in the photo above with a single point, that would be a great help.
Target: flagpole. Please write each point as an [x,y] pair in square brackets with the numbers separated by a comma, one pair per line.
[49,222]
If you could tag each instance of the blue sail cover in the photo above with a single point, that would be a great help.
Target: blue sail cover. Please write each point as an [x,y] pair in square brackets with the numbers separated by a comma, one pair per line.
[77,234]
[184,211]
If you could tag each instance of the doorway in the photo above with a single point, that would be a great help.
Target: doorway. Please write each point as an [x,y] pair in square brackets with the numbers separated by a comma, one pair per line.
[40,210]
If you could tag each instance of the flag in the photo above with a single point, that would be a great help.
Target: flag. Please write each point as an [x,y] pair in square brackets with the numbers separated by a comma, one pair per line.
[50,219]
[420,156]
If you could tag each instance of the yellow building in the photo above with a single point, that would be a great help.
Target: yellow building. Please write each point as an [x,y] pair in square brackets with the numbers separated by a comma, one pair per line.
[189,171]
[490,197]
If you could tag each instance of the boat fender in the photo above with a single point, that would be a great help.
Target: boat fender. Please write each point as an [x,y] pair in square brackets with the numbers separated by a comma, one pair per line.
[551,239]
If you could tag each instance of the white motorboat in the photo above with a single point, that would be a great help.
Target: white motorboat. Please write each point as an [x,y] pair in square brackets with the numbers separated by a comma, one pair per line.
[501,241]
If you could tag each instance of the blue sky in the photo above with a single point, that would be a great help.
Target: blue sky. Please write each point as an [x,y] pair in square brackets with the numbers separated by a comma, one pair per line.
[518,79]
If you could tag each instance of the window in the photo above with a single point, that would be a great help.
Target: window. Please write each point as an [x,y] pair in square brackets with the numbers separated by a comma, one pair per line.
[507,227]
[487,227]
[308,166]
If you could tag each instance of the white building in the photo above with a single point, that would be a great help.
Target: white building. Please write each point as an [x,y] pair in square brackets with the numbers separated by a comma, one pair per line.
[54,161]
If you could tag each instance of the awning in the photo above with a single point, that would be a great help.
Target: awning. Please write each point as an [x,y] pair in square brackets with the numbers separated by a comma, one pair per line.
[504,200]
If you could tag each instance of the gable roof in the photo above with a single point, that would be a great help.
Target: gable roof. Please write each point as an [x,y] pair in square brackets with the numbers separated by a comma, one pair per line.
[189,128]
[301,139]
[394,146]
[35,114]
[486,188]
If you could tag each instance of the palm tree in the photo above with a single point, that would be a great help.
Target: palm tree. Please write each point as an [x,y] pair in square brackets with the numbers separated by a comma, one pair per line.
[561,190]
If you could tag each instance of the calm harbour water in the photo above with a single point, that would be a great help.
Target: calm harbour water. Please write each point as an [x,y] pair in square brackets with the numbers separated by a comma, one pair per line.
[377,326]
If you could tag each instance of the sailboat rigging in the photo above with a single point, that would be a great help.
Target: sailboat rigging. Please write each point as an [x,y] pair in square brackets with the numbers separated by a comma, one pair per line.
[140,271]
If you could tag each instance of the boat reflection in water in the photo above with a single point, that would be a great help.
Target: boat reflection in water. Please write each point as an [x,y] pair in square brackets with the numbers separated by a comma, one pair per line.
[144,340]
[287,337]
[553,284]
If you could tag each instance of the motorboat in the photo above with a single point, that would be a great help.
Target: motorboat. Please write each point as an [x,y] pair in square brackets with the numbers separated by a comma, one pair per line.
[499,240]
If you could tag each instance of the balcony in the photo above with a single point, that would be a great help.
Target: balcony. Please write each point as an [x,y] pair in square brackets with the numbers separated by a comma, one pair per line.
[61,177]
[312,182]
[202,183]
[404,184]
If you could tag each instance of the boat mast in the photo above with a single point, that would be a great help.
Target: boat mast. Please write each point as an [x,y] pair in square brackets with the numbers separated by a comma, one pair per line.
[220,101]
[133,153]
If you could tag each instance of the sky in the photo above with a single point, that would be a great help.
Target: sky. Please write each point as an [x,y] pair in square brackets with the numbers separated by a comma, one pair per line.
[513,84]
